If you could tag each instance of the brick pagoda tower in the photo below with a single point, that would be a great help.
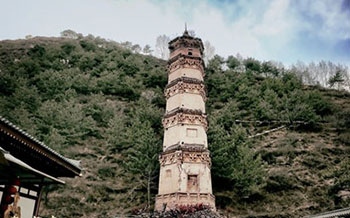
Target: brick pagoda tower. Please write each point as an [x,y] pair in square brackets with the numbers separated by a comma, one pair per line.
[185,163]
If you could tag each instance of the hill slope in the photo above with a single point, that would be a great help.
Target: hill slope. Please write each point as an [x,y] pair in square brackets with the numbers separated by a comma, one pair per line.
[94,100]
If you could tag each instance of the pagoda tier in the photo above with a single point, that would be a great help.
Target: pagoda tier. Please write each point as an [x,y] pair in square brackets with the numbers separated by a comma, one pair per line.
[185,92]
[188,184]
[185,126]
[185,85]
[184,65]
[185,116]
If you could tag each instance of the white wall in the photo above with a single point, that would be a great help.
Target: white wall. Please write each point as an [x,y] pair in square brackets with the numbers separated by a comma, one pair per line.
[27,206]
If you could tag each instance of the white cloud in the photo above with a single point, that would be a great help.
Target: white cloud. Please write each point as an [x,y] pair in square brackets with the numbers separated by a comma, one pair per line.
[228,38]
[249,33]
[263,29]
[275,21]
[333,22]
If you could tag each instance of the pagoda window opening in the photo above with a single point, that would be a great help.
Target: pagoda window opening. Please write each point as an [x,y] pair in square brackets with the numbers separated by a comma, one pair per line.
[190,51]
[168,173]
[192,133]
[192,183]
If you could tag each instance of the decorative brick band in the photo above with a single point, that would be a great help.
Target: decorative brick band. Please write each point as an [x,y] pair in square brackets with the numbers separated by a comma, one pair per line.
[185,86]
[185,147]
[183,110]
[184,79]
[182,156]
[184,118]
[185,61]
[174,200]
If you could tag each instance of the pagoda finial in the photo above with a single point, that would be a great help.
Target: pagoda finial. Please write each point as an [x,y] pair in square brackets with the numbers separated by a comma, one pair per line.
[186,32]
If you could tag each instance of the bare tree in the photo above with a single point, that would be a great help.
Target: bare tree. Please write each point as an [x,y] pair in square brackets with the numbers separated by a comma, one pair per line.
[136,48]
[323,73]
[347,79]
[70,34]
[302,71]
[162,50]
[127,45]
[147,50]
[209,52]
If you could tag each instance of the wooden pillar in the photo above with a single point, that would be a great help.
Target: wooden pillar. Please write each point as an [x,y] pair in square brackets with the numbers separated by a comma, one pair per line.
[37,201]
[3,203]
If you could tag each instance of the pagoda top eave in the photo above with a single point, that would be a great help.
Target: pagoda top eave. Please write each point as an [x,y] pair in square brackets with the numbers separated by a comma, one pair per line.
[182,39]
[185,37]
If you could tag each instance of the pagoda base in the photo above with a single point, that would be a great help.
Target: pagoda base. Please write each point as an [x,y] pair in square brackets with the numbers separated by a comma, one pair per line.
[174,200]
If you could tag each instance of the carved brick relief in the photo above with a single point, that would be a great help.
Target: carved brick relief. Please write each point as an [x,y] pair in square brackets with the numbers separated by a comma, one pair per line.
[182,118]
[185,157]
[182,61]
[183,87]
[196,157]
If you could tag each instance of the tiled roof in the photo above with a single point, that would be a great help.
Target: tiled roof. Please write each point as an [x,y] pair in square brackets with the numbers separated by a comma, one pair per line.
[345,212]
[39,143]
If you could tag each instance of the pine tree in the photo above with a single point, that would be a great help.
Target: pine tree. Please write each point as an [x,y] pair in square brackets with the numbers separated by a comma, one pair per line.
[233,159]
[338,78]
[142,157]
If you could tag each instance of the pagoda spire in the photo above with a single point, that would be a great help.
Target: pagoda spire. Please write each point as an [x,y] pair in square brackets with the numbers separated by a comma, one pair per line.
[186,32]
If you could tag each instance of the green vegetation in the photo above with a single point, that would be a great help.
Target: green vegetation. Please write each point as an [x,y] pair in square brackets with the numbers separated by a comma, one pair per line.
[102,103]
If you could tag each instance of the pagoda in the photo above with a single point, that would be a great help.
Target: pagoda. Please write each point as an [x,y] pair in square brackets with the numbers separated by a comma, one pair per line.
[185,177]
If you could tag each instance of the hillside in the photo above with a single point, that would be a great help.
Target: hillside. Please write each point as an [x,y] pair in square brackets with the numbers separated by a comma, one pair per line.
[94,100]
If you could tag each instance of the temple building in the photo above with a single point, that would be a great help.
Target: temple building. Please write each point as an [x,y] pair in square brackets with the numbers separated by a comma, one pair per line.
[26,166]
[185,177]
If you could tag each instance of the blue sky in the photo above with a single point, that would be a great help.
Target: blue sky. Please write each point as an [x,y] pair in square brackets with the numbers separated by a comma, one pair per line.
[280,30]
